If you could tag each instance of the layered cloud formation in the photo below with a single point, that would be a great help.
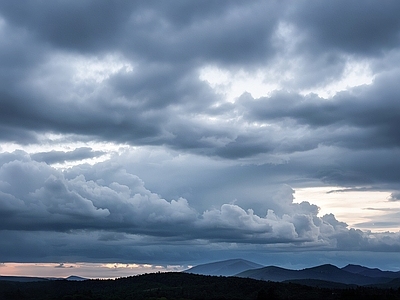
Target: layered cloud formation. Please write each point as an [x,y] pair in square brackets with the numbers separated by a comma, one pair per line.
[165,130]
[107,203]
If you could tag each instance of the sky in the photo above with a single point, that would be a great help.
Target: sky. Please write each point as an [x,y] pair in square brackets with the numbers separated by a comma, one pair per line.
[139,136]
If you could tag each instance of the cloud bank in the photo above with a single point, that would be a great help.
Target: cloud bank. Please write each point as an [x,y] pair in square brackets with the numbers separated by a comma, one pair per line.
[118,210]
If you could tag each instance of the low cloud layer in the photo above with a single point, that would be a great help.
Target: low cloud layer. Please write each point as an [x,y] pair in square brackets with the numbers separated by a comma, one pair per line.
[120,209]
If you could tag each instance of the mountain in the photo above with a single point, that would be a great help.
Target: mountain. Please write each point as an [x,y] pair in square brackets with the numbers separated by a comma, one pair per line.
[324,272]
[374,273]
[270,273]
[323,275]
[75,278]
[224,268]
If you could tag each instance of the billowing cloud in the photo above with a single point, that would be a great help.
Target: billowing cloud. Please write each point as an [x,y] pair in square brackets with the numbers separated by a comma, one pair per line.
[35,197]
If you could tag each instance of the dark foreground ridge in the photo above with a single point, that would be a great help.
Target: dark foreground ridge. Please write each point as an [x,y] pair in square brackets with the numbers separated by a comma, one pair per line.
[182,286]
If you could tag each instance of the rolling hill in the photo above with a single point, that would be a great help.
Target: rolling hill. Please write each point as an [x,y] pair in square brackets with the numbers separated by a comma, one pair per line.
[357,269]
[323,275]
[326,272]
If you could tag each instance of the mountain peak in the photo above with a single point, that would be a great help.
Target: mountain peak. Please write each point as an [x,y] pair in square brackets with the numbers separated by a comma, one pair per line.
[358,269]
[75,278]
[324,268]
[370,272]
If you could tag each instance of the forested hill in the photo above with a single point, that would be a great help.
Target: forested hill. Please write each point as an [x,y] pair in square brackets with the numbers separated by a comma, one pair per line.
[183,286]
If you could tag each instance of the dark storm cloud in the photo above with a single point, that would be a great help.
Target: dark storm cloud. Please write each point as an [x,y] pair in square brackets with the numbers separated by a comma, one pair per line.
[150,33]
[72,25]
[158,86]
[369,167]
[20,135]
[367,29]
[149,105]
[366,117]
[232,33]
[224,31]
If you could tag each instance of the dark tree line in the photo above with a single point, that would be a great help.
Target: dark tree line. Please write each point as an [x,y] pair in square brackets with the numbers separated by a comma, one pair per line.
[181,286]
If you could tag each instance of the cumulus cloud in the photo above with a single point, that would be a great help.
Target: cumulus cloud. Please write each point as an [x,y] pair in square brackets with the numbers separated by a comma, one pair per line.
[37,197]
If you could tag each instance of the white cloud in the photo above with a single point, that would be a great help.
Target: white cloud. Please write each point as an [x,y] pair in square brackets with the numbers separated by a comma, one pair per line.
[355,73]
[51,200]
[232,84]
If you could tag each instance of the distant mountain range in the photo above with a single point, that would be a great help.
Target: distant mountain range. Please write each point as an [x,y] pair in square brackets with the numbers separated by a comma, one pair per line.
[327,275]
[323,275]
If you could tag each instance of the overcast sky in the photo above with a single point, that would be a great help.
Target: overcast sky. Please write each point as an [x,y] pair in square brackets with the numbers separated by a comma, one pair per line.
[182,132]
